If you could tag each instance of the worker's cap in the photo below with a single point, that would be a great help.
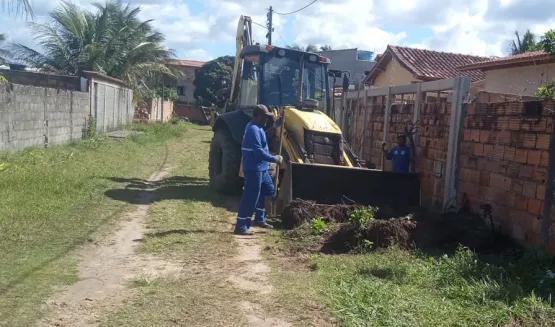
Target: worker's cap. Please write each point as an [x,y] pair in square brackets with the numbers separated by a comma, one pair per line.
[262,110]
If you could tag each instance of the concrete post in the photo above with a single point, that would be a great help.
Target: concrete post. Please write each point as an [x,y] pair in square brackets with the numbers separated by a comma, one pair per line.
[416,116]
[461,88]
[386,118]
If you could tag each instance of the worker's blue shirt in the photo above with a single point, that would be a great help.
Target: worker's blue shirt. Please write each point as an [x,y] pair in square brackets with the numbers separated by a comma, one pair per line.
[400,158]
[254,149]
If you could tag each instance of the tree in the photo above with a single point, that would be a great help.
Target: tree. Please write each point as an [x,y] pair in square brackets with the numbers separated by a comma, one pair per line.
[325,47]
[4,53]
[308,48]
[547,92]
[112,40]
[18,7]
[526,44]
[213,81]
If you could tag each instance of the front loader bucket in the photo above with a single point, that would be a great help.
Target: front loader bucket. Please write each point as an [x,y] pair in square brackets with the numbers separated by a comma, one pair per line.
[326,184]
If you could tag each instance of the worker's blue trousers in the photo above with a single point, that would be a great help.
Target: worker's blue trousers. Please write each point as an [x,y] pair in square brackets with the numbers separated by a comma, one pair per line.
[258,185]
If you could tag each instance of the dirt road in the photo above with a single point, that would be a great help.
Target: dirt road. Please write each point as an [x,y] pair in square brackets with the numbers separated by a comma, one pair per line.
[173,260]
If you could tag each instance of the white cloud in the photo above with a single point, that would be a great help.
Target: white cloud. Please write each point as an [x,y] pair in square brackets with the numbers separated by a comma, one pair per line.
[198,54]
[480,27]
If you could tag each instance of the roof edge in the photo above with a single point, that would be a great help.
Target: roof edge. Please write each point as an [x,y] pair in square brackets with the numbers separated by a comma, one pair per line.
[506,62]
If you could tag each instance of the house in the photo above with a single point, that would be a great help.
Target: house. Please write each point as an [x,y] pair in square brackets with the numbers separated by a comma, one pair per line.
[520,74]
[403,65]
[356,62]
[185,86]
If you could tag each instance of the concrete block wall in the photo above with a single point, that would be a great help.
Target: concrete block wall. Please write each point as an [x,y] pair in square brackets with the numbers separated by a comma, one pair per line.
[112,104]
[37,116]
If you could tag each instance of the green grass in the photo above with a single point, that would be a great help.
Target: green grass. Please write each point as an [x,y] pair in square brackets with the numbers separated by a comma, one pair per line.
[188,224]
[53,200]
[399,288]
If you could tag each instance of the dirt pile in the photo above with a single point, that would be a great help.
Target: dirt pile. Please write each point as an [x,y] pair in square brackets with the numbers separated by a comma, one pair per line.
[423,230]
[357,237]
[300,211]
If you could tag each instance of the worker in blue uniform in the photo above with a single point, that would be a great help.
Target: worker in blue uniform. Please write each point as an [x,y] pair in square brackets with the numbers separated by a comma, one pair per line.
[258,182]
[399,155]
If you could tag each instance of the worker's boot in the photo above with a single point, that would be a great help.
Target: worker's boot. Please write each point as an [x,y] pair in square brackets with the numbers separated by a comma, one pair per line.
[245,232]
[263,224]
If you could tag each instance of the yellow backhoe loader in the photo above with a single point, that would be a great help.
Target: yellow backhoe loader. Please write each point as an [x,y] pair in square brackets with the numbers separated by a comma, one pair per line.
[320,164]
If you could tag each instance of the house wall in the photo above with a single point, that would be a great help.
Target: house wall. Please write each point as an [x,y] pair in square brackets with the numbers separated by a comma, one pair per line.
[394,74]
[187,83]
[111,104]
[519,80]
[38,116]
[346,60]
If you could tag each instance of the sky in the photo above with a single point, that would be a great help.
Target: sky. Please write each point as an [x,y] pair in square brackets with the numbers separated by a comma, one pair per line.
[205,29]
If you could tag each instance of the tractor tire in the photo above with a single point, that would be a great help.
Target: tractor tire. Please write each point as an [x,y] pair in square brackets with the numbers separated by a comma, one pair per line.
[224,164]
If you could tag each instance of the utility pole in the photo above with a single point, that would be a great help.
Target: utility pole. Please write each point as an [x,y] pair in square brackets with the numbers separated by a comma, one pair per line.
[270,25]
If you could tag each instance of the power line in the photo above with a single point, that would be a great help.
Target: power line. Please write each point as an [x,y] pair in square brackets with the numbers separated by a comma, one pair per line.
[255,23]
[296,11]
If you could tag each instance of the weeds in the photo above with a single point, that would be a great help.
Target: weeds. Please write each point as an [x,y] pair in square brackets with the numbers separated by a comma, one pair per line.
[363,215]
[319,225]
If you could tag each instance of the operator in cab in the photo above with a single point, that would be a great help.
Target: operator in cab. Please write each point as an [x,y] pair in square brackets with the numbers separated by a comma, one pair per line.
[258,182]
[399,155]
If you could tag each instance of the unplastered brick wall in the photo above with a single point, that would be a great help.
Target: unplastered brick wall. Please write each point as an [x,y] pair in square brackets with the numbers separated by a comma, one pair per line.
[433,136]
[366,130]
[503,163]
[37,116]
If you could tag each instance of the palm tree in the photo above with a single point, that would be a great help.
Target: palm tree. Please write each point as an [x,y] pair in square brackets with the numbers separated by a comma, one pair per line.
[112,40]
[18,7]
[4,53]
[526,44]
[325,47]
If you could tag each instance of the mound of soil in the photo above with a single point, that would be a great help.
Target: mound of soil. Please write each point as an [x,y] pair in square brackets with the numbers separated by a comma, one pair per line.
[299,211]
[356,237]
[432,232]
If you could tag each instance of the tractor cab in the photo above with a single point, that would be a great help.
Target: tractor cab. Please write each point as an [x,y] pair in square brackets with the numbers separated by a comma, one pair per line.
[280,77]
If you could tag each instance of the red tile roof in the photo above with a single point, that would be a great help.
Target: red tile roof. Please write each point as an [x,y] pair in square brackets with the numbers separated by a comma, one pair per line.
[429,65]
[189,63]
[503,62]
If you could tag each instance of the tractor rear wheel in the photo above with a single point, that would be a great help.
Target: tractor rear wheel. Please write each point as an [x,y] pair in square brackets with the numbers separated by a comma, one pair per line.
[224,164]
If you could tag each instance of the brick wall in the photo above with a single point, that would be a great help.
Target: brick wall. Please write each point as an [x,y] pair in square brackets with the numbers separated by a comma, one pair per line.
[36,116]
[504,163]
[433,129]
[192,112]
[503,158]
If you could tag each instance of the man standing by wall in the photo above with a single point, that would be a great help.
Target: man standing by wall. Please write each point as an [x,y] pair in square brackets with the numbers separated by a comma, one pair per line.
[258,183]
[399,155]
